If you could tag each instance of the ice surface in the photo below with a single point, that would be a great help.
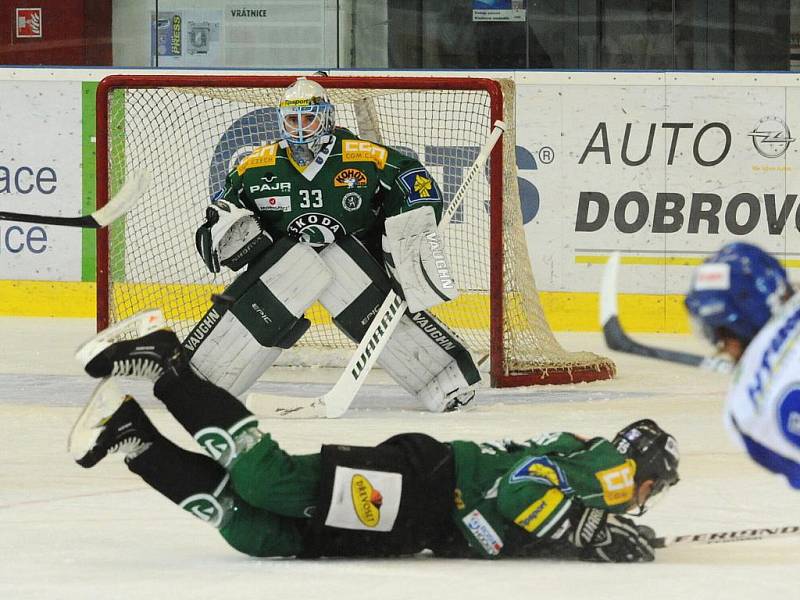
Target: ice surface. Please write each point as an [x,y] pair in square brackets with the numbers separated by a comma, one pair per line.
[69,533]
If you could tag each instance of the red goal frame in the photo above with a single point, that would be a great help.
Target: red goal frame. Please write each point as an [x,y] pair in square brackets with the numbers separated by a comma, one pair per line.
[498,376]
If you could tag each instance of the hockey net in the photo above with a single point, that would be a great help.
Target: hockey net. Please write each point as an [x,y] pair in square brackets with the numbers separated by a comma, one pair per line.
[189,131]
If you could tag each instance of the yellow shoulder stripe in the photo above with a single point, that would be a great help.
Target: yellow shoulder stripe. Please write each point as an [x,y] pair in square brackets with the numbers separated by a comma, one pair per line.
[263,156]
[364,151]
[617,483]
[537,513]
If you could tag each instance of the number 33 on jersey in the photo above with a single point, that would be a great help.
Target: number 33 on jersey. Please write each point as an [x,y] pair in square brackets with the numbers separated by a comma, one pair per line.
[350,185]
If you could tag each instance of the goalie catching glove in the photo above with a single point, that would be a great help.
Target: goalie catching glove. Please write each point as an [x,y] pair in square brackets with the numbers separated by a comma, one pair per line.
[414,253]
[605,537]
[230,237]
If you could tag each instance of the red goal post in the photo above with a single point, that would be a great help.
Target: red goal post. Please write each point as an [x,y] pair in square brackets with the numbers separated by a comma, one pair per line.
[188,131]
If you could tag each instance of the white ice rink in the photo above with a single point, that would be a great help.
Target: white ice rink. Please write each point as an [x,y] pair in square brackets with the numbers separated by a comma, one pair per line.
[69,533]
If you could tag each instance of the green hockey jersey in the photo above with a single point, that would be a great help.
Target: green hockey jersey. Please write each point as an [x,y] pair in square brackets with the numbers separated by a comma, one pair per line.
[507,489]
[348,189]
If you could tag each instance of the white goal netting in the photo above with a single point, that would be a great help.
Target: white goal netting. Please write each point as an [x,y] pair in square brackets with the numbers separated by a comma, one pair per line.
[189,137]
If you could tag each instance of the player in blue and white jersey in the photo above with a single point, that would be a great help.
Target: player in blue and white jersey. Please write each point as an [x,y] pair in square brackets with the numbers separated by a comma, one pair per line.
[742,299]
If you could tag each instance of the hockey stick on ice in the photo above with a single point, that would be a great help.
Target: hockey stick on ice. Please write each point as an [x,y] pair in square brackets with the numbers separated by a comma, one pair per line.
[618,340]
[720,537]
[136,185]
[337,400]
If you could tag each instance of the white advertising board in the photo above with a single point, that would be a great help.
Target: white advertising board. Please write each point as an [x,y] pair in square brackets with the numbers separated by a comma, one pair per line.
[40,173]
[665,168]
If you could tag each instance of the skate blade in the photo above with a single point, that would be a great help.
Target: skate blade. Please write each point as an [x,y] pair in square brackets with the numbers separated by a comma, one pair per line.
[105,400]
[135,326]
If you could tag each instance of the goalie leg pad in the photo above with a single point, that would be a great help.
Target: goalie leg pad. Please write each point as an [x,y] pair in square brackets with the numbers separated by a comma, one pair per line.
[358,288]
[414,252]
[241,336]
[430,362]
[422,355]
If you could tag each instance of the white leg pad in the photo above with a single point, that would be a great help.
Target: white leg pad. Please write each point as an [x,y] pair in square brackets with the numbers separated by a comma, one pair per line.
[349,281]
[448,385]
[416,355]
[229,355]
[298,278]
[232,358]
[423,367]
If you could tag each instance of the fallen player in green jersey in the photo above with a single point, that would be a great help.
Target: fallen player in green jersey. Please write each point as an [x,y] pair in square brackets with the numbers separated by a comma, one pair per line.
[557,495]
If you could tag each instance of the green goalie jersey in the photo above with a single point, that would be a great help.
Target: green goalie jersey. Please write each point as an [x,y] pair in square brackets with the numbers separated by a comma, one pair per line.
[510,495]
[348,189]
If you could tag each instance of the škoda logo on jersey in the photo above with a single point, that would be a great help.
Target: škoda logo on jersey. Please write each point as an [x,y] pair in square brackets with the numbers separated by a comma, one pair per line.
[350,178]
[367,501]
[316,229]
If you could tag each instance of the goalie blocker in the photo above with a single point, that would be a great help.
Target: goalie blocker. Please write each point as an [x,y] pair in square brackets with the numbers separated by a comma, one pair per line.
[414,253]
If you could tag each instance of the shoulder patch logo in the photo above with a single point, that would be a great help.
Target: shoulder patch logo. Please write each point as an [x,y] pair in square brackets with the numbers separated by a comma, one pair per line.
[263,156]
[617,483]
[540,469]
[419,186]
[350,178]
[364,151]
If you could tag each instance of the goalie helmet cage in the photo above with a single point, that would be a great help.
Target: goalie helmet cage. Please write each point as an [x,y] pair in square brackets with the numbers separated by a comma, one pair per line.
[189,131]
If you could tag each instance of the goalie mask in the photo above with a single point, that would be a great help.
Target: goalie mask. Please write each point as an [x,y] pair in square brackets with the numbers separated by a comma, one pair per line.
[306,119]
[655,453]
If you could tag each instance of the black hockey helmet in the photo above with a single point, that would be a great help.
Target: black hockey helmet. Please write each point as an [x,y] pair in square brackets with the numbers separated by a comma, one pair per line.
[654,451]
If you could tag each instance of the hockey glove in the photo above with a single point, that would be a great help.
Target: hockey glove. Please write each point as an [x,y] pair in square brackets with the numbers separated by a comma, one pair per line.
[622,542]
[230,237]
[588,526]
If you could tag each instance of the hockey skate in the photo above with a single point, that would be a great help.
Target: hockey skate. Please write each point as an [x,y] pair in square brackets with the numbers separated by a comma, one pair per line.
[153,351]
[111,422]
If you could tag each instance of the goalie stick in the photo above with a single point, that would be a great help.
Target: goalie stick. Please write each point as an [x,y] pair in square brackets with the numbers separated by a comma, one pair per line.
[337,400]
[135,186]
[617,339]
[721,537]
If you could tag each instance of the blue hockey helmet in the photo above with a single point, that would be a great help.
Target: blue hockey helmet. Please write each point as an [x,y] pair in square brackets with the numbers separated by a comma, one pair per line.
[736,291]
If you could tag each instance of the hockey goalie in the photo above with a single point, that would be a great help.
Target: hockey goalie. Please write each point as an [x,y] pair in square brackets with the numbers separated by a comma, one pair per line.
[322,215]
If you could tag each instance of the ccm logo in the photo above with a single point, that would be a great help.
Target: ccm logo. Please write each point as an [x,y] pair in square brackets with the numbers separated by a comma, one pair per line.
[617,483]
[619,480]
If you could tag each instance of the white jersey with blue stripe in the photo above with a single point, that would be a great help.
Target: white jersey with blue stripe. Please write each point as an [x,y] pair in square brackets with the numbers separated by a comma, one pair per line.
[763,405]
